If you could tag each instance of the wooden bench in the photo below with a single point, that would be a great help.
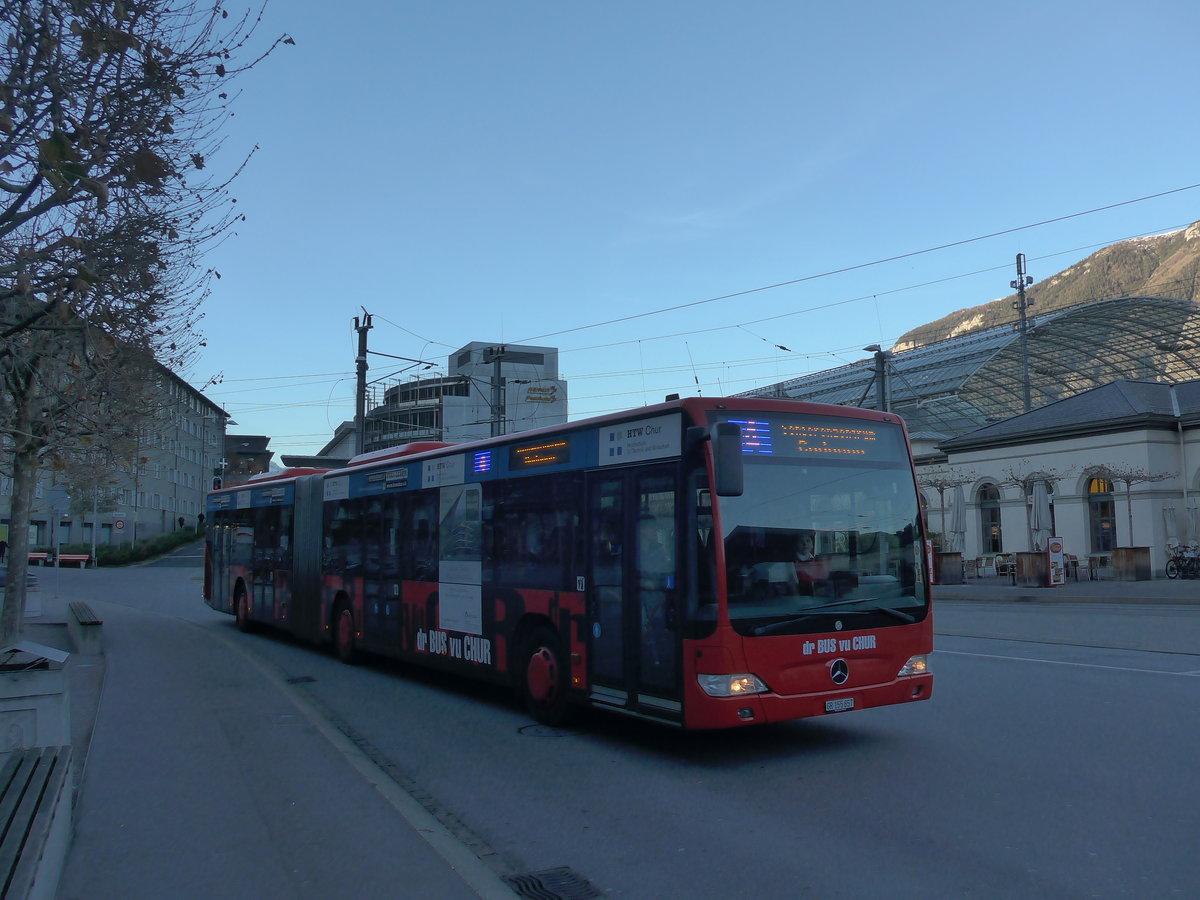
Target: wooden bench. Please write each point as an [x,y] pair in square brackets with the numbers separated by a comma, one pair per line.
[81,558]
[35,820]
[84,627]
[39,558]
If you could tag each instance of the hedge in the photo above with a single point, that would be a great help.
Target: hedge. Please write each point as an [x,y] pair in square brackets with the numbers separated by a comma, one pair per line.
[126,553]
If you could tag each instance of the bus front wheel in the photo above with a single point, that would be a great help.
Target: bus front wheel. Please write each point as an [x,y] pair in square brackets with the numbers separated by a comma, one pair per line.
[543,678]
[343,634]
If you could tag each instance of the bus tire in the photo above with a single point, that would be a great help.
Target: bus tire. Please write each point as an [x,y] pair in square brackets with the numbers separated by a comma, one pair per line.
[241,610]
[543,677]
[343,634]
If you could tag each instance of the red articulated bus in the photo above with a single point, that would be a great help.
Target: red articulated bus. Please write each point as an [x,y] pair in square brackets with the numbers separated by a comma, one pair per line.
[705,562]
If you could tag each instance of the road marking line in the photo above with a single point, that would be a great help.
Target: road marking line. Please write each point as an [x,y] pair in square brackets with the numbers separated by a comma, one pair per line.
[1060,662]
[1057,643]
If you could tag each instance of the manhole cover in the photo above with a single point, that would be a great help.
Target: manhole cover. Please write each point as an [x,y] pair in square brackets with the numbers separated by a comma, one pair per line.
[552,884]
[544,731]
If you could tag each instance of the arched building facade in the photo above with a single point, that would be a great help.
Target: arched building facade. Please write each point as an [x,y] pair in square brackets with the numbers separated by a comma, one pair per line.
[1111,443]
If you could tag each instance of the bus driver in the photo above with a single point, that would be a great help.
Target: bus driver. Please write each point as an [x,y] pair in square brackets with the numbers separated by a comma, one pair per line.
[810,568]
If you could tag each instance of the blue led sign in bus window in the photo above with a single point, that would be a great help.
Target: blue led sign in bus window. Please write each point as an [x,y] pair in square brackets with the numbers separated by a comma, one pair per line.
[756,435]
[543,453]
[482,462]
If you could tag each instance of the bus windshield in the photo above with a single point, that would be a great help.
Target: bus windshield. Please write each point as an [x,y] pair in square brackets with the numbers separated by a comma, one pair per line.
[827,537]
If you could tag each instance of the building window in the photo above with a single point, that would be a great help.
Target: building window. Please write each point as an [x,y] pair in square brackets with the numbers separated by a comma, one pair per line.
[1101,515]
[991,539]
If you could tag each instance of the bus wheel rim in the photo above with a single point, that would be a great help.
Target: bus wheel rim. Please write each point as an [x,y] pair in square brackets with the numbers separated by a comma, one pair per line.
[542,675]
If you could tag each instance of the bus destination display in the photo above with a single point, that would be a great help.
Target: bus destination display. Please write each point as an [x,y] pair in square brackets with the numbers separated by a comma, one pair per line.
[817,437]
[544,453]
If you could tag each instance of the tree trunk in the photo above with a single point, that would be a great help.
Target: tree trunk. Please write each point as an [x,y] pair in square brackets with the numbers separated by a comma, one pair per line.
[25,471]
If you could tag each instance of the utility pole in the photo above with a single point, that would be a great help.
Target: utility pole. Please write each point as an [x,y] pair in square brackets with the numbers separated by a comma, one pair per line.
[1021,304]
[881,392]
[360,391]
[495,355]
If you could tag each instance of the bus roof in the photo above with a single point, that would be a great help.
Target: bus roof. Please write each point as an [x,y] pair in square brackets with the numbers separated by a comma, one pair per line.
[269,477]
[694,406]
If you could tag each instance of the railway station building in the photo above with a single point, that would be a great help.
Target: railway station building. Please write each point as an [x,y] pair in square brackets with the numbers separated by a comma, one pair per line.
[1110,443]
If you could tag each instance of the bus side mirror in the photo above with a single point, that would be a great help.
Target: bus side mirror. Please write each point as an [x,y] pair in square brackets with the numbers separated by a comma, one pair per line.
[727,459]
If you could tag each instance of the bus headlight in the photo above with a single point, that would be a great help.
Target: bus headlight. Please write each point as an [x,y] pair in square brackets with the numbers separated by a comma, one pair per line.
[731,685]
[916,665]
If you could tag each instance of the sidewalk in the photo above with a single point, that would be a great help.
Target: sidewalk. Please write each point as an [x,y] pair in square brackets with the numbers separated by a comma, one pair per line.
[197,776]
[1158,590]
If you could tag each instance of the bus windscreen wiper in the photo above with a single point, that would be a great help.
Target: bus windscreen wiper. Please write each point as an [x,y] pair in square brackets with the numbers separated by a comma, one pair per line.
[795,620]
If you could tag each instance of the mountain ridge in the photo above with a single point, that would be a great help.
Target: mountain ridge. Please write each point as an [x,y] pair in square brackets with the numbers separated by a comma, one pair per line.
[1159,265]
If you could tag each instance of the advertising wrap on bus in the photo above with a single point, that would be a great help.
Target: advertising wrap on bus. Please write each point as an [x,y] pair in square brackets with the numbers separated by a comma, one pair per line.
[704,563]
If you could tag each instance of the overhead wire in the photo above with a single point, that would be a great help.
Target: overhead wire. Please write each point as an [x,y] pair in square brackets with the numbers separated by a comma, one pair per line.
[858,266]
[761,320]
[339,376]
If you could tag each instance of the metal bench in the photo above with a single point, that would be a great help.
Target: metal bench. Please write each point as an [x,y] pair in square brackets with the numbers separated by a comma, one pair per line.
[84,627]
[35,820]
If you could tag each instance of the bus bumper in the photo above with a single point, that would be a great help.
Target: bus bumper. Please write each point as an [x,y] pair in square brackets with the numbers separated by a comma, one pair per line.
[757,709]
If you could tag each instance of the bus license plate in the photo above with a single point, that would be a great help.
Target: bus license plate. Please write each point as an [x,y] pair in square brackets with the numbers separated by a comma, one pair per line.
[840,705]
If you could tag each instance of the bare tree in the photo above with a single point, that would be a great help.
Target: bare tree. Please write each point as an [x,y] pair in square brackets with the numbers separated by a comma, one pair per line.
[1023,474]
[942,479]
[110,111]
[1128,476]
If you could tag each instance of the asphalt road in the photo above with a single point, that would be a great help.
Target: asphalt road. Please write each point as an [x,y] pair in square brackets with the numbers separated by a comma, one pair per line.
[1057,758]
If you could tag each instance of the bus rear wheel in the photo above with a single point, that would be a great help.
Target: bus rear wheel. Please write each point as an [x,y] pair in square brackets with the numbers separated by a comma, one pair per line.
[543,678]
[241,604]
[343,634]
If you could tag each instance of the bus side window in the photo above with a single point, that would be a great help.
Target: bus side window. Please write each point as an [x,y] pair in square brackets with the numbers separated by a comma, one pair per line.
[422,554]
[536,539]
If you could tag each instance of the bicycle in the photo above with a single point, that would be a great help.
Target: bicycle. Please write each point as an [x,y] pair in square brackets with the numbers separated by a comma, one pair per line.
[1184,561]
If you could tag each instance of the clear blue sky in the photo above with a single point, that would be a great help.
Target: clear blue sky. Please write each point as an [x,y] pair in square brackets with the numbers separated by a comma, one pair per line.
[496,170]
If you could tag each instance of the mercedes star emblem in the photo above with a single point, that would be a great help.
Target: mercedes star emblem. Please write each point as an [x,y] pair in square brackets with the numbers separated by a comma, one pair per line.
[839,671]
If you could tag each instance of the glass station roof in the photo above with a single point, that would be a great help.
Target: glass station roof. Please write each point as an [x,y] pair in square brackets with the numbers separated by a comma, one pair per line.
[964,383]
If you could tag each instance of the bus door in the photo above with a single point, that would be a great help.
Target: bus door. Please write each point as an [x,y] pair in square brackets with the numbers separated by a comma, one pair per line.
[633,600]
[221,552]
